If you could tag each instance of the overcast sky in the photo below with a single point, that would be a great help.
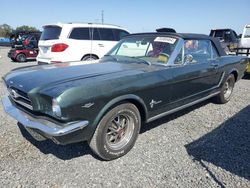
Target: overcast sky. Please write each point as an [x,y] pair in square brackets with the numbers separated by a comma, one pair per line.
[197,16]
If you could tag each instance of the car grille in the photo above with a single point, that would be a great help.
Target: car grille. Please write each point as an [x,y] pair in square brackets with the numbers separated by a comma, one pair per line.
[20,98]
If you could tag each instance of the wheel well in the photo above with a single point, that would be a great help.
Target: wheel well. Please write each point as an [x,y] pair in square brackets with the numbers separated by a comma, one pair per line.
[21,53]
[89,55]
[138,104]
[140,107]
[235,75]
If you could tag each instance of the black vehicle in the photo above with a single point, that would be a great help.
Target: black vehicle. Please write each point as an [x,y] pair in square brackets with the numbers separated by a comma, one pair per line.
[18,37]
[228,38]
[143,78]
[166,29]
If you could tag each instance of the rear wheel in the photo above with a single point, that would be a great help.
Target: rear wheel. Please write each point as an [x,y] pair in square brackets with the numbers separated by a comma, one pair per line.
[21,58]
[117,132]
[226,90]
[89,58]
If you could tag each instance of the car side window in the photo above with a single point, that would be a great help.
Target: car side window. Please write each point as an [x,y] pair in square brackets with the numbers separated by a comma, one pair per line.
[199,51]
[80,34]
[106,34]
[214,52]
[180,57]
[96,35]
[118,33]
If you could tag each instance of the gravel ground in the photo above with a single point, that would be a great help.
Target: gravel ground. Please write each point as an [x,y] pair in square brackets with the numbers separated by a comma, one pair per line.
[206,145]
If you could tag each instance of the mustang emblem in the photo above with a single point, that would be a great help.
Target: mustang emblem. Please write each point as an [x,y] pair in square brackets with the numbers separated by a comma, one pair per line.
[153,102]
[88,105]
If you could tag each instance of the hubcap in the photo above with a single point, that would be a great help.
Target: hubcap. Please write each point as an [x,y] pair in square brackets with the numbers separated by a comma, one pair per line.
[120,131]
[21,58]
[228,88]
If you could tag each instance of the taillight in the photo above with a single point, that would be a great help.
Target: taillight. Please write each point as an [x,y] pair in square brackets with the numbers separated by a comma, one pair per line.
[60,47]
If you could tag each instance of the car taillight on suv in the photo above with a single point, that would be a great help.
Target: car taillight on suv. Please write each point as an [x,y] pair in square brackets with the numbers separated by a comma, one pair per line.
[60,47]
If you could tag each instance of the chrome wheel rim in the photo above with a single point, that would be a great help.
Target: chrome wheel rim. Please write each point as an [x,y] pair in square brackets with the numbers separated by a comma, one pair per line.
[21,58]
[228,88]
[120,131]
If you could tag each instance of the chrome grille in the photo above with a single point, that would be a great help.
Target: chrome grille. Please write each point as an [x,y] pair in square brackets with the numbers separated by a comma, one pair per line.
[20,98]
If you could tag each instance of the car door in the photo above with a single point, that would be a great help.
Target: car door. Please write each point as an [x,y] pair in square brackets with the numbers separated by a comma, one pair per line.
[197,74]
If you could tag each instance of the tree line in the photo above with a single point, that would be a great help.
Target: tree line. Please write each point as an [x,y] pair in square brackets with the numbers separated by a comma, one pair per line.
[6,30]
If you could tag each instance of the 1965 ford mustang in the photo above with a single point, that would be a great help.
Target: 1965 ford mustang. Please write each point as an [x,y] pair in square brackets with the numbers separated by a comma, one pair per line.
[144,77]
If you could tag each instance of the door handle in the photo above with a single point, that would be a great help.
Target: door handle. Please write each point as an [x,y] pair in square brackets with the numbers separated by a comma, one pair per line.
[101,45]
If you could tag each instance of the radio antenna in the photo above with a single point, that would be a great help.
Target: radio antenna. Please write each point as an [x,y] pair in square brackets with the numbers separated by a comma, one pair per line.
[102,16]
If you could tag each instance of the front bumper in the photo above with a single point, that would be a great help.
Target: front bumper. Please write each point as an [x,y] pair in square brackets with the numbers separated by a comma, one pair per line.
[42,128]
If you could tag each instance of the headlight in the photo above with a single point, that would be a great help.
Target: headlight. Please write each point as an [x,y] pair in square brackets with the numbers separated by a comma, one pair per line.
[56,108]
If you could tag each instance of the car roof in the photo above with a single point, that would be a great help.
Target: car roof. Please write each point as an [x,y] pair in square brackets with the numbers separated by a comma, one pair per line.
[186,36]
[78,24]
[178,35]
[226,29]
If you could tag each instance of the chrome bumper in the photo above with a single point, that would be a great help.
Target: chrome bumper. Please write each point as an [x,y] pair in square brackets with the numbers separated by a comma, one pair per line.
[46,127]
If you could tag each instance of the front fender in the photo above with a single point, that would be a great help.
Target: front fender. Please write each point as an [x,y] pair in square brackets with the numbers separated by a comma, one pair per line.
[129,97]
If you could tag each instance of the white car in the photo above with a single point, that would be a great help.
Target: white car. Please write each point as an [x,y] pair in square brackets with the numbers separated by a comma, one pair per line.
[77,41]
[245,37]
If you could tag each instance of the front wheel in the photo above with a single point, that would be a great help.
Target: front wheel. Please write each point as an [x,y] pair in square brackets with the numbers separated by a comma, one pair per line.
[117,132]
[21,58]
[226,90]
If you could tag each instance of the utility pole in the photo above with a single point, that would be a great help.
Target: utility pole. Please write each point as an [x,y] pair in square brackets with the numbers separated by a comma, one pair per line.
[102,16]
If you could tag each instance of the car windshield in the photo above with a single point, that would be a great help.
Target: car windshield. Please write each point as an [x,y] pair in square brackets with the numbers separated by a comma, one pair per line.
[149,49]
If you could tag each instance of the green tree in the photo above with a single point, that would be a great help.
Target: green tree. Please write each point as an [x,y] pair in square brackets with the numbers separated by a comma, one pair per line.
[26,28]
[5,30]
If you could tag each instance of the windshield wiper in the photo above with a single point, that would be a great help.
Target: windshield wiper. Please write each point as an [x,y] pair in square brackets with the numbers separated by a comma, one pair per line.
[138,59]
[112,56]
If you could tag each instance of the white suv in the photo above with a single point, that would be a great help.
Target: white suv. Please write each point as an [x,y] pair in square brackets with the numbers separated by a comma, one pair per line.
[245,38]
[77,41]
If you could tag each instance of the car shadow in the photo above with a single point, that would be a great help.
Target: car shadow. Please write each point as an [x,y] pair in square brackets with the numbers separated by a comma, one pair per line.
[64,152]
[227,146]
[27,61]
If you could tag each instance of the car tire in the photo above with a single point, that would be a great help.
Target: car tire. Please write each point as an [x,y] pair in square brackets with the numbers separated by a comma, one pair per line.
[89,58]
[226,90]
[117,132]
[21,58]
[13,59]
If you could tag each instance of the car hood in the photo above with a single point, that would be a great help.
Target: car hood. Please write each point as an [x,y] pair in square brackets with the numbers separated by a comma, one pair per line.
[28,78]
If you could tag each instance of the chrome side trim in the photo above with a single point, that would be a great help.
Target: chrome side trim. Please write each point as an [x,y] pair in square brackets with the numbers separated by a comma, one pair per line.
[47,127]
[221,79]
[181,107]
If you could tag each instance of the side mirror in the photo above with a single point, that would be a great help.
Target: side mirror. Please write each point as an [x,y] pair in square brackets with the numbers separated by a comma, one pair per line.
[188,58]
[240,35]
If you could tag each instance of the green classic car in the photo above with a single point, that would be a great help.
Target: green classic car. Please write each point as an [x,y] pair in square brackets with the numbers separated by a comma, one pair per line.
[144,77]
